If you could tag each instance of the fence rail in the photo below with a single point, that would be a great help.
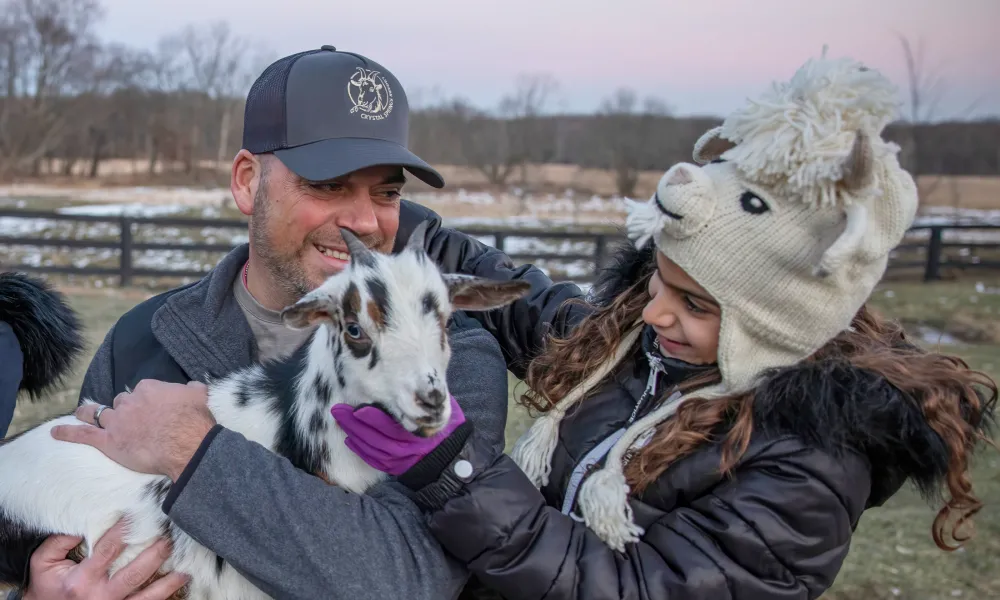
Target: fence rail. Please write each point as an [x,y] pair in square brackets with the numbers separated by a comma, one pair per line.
[931,255]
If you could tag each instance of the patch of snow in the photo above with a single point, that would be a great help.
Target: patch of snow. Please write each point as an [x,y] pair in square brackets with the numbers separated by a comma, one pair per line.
[134,209]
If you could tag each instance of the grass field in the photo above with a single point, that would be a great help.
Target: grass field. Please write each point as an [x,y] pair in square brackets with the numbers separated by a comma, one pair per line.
[893,555]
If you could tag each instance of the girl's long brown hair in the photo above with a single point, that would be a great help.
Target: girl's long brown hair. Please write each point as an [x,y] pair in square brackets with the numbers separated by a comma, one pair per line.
[943,385]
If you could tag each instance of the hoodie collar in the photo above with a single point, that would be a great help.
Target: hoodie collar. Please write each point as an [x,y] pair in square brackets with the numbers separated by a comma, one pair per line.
[202,326]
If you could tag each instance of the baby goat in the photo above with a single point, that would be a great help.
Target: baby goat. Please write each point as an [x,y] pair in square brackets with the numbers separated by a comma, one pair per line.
[381,339]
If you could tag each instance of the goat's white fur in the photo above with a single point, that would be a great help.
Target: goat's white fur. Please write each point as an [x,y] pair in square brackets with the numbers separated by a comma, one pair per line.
[59,487]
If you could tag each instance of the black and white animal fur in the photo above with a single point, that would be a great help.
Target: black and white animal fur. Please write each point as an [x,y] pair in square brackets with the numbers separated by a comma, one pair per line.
[381,339]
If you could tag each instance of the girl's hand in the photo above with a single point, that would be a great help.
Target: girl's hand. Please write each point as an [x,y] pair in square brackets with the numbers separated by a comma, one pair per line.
[383,443]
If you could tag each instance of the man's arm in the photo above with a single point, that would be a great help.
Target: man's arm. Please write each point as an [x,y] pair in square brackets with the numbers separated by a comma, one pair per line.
[296,537]
[99,380]
[521,327]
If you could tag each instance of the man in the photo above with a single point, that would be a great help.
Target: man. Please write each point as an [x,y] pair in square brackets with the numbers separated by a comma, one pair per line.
[324,147]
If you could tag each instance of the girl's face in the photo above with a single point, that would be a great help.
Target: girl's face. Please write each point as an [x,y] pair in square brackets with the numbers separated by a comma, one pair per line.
[684,316]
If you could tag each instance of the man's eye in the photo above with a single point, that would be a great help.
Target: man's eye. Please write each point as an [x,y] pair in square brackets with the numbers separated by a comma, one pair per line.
[327,187]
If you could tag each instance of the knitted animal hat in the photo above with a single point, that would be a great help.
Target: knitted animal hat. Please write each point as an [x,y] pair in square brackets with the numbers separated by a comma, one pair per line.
[787,221]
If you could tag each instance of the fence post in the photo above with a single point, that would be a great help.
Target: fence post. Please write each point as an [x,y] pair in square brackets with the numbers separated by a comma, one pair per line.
[125,262]
[600,248]
[932,271]
[498,241]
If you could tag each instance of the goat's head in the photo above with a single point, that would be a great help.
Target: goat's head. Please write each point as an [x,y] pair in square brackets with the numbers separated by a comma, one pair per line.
[382,335]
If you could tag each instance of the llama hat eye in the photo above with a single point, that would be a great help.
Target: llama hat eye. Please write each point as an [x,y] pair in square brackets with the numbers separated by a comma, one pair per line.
[753,204]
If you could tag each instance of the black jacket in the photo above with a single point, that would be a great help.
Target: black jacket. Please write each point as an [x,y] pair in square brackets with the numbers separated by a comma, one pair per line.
[829,442]
[40,337]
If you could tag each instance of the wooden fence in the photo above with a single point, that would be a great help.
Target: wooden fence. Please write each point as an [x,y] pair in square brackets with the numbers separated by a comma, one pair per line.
[931,256]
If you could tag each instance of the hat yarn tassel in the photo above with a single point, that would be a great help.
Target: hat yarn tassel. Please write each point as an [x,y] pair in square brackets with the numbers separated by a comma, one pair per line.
[605,508]
[533,451]
[644,220]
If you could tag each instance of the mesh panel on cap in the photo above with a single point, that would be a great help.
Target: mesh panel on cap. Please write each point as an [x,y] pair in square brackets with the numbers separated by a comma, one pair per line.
[264,116]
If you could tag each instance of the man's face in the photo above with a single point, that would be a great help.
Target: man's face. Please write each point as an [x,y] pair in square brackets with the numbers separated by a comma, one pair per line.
[294,228]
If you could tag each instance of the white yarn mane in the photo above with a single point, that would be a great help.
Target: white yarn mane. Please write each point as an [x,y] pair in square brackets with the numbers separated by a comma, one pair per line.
[794,137]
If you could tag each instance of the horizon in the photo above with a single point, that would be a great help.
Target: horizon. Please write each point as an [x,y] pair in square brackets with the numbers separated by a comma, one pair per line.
[725,51]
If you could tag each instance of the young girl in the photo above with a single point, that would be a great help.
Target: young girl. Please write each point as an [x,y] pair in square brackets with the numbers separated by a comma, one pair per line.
[717,419]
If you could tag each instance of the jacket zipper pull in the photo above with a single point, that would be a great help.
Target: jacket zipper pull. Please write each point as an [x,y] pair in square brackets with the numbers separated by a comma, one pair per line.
[655,368]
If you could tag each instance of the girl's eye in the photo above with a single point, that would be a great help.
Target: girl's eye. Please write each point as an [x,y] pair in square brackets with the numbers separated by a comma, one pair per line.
[691,306]
[354,331]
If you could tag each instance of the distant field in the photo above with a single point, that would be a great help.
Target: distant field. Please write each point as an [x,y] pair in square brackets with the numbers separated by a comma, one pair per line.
[892,554]
[957,192]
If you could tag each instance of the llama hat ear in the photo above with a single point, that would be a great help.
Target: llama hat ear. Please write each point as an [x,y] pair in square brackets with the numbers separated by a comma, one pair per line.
[711,145]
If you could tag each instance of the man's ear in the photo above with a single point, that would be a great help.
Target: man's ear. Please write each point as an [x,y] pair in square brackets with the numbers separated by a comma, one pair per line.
[245,178]
[474,293]
[311,310]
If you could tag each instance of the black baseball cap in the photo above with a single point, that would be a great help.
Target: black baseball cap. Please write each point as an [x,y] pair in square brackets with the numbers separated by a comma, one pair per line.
[325,113]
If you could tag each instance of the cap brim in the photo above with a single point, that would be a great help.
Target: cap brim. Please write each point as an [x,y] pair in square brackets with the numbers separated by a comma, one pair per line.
[329,159]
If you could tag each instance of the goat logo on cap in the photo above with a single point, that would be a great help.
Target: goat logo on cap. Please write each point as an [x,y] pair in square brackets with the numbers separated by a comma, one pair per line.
[370,93]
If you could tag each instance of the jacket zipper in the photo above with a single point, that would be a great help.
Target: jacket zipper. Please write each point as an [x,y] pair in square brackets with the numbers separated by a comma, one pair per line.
[589,462]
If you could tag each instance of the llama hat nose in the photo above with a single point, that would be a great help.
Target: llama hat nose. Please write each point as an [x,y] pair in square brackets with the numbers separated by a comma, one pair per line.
[685,196]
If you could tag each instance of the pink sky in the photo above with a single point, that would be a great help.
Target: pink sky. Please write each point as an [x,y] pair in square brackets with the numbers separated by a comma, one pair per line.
[700,56]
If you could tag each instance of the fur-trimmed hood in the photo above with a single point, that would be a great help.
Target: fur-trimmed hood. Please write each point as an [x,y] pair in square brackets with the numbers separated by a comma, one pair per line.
[830,404]
[47,329]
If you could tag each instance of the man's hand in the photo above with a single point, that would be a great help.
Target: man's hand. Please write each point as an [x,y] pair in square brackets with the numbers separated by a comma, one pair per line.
[55,577]
[155,429]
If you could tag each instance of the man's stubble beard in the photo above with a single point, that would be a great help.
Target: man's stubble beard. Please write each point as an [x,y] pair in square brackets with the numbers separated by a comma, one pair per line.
[285,270]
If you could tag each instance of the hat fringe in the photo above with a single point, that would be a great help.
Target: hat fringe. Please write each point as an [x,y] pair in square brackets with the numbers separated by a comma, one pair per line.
[533,451]
[795,137]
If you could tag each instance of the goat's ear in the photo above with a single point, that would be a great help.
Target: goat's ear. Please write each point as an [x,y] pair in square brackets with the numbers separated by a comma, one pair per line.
[309,311]
[476,293]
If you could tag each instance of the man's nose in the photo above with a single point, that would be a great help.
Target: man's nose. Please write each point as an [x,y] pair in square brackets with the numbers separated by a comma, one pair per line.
[359,214]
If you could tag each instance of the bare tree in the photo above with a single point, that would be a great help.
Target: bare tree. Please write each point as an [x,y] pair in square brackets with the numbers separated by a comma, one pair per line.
[516,133]
[627,132]
[216,67]
[531,136]
[925,90]
[49,53]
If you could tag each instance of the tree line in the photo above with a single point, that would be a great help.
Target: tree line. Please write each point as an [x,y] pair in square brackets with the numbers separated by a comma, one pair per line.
[69,101]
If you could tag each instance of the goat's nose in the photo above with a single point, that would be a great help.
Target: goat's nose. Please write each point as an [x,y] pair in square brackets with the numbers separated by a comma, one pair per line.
[430,399]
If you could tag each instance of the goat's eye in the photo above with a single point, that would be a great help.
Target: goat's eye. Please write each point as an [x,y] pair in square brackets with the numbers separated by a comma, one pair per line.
[753,204]
[354,331]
